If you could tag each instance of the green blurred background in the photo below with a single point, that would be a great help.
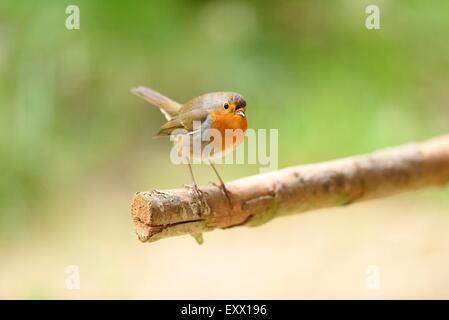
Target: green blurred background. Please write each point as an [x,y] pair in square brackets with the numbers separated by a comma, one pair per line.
[75,144]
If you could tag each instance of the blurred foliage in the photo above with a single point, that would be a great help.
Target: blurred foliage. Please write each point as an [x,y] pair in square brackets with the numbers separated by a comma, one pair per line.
[309,68]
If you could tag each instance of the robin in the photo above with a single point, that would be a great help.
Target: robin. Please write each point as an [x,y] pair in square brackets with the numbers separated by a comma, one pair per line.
[195,120]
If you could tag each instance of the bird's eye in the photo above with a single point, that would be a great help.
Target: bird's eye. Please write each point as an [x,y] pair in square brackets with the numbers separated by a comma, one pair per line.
[226,105]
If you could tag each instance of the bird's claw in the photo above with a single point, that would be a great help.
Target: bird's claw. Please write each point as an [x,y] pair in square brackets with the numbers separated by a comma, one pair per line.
[196,190]
[224,189]
[226,192]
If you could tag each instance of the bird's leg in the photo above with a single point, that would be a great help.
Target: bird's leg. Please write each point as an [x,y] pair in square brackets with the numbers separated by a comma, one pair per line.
[195,185]
[197,236]
[225,190]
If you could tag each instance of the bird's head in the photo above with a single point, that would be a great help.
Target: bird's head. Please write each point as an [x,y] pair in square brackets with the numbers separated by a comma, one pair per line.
[229,103]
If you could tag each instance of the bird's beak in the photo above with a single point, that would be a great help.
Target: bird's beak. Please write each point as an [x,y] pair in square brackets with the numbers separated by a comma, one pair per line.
[240,113]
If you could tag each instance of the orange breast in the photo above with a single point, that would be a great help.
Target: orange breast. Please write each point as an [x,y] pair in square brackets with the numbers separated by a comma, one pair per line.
[223,122]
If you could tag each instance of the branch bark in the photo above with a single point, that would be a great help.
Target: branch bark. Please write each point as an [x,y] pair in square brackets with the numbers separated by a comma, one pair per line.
[257,199]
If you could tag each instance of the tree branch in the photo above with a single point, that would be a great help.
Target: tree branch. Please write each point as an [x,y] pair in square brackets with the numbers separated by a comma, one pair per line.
[257,199]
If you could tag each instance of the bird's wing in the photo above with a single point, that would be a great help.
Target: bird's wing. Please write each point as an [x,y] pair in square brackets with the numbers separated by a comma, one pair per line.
[185,120]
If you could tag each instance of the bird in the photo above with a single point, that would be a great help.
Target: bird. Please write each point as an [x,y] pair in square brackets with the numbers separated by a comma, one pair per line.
[195,120]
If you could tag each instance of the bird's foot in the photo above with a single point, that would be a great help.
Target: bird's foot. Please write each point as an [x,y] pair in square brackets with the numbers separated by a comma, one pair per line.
[196,190]
[225,190]
[199,195]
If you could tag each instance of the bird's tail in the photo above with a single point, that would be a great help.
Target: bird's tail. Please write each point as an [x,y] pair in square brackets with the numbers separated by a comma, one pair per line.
[167,106]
